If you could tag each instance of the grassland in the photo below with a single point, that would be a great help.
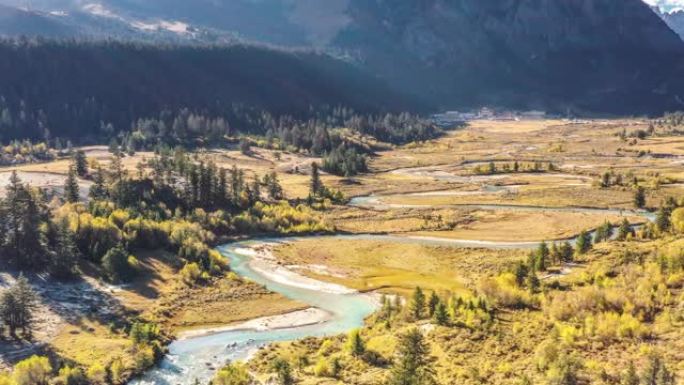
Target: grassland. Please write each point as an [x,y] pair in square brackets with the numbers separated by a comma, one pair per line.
[423,188]
[393,266]
[436,177]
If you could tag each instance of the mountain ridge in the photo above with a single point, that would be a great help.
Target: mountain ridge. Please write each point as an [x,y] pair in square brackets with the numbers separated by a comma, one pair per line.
[582,57]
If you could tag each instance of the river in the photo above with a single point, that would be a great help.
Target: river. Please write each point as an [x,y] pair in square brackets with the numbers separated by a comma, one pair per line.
[198,358]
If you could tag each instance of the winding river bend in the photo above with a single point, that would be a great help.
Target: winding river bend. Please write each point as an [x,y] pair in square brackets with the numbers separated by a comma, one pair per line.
[197,358]
[188,359]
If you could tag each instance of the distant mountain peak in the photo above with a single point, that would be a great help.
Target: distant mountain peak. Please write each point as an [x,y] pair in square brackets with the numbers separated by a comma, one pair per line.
[674,18]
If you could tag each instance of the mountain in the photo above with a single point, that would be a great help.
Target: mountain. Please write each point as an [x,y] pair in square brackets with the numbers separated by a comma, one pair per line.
[15,21]
[674,19]
[583,56]
[75,88]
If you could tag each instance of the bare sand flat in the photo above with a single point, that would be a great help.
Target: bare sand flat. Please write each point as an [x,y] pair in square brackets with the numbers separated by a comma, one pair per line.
[310,316]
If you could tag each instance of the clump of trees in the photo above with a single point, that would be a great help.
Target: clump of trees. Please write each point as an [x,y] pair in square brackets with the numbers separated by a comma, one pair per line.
[492,167]
[173,202]
[344,161]
[17,305]
[318,191]
[27,151]
[318,132]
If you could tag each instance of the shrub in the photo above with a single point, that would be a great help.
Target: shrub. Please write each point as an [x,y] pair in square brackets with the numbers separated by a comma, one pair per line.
[32,371]
[71,376]
[233,374]
[97,374]
[116,371]
[144,357]
[191,273]
[322,369]
[115,265]
[677,220]
[505,292]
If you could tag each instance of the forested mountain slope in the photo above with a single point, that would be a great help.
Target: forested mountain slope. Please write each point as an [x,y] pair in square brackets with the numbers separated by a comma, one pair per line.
[580,57]
[74,89]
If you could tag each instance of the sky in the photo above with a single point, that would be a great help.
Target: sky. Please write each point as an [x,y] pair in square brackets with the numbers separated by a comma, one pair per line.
[667,5]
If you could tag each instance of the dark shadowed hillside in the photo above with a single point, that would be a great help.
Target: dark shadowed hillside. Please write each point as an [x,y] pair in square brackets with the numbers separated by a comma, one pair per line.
[71,88]
[581,56]
[588,55]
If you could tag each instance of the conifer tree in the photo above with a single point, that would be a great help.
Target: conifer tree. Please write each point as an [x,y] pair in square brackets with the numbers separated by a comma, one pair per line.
[567,252]
[583,244]
[541,257]
[662,221]
[624,230]
[63,263]
[441,316]
[432,304]
[80,163]
[98,190]
[412,363]
[639,197]
[71,188]
[17,305]
[355,343]
[316,186]
[417,305]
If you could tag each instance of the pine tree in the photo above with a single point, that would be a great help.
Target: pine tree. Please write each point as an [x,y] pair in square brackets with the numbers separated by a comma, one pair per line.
[532,281]
[583,244]
[432,304]
[283,372]
[567,252]
[17,305]
[25,243]
[63,263]
[603,232]
[116,169]
[98,190]
[624,230]
[640,197]
[441,316]
[316,186]
[662,221]
[80,163]
[71,188]
[236,185]
[275,191]
[256,190]
[417,305]
[355,343]
[412,364]
[521,271]
[115,265]
[221,187]
[113,146]
[541,257]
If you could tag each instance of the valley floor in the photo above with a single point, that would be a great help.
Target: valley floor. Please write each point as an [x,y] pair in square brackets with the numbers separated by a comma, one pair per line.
[479,199]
